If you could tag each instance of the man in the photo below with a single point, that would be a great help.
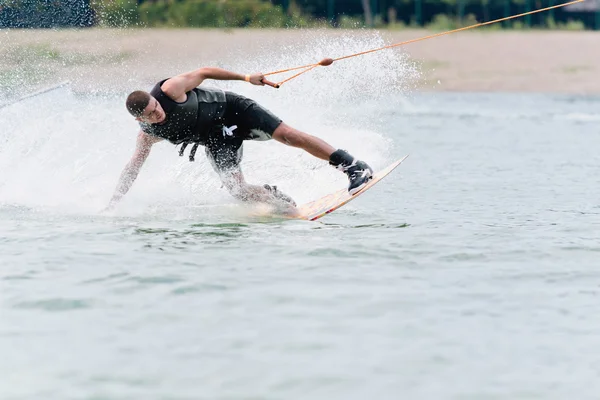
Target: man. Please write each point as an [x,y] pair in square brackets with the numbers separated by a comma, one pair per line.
[181,112]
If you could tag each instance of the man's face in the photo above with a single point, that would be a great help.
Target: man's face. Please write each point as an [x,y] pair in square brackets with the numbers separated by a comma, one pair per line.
[153,113]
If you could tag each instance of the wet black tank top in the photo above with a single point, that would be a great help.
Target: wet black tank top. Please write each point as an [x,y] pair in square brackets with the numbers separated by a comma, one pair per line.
[190,121]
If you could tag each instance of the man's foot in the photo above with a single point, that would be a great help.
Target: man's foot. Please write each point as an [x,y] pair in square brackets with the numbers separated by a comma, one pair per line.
[359,175]
[279,195]
[358,171]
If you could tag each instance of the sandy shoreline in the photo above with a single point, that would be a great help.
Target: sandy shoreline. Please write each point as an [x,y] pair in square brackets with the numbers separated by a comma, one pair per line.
[496,61]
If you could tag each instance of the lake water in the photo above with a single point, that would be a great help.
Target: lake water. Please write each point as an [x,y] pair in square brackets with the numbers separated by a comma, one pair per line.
[470,272]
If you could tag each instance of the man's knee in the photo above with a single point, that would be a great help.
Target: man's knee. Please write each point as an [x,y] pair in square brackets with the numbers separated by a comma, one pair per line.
[239,192]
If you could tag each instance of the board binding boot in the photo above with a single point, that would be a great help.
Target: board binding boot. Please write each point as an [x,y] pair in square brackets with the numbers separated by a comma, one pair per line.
[359,172]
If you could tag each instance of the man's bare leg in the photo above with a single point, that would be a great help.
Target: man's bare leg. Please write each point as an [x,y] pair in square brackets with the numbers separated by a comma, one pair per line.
[295,138]
[237,186]
[358,171]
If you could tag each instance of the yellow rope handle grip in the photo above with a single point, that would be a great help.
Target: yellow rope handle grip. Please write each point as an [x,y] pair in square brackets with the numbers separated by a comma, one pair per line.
[272,84]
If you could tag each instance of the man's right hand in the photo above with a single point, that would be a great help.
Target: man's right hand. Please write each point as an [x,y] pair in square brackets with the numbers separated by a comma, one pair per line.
[257,79]
[142,150]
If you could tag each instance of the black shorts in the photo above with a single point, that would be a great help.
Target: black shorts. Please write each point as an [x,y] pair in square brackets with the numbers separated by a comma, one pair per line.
[245,120]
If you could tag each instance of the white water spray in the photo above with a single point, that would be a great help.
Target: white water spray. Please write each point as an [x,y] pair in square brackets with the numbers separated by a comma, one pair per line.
[65,151]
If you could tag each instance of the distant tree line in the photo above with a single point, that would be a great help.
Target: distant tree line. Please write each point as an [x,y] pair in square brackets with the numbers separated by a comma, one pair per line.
[436,14]
[45,13]
[424,12]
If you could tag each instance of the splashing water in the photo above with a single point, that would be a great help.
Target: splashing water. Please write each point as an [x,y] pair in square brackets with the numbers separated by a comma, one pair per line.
[65,151]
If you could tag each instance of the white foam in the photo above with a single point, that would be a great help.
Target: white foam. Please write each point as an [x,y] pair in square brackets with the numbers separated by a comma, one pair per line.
[66,152]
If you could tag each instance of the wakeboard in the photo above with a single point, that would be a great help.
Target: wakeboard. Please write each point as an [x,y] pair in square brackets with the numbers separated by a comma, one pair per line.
[316,209]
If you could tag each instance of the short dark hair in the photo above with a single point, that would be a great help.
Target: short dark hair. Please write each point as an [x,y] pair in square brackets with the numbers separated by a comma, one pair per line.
[137,102]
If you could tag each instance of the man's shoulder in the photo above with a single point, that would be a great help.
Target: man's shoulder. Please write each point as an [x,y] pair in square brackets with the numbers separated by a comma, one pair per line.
[147,128]
[157,89]
[148,138]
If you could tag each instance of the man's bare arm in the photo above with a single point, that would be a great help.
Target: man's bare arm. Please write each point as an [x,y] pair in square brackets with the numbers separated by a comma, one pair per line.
[177,86]
[130,172]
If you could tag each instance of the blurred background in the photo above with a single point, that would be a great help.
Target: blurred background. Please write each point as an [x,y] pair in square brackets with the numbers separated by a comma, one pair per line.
[393,14]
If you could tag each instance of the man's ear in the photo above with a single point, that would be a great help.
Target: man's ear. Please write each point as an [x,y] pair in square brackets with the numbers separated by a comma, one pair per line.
[138,119]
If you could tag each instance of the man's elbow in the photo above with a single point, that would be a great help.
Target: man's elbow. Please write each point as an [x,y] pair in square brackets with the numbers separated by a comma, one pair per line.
[200,74]
[136,162]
